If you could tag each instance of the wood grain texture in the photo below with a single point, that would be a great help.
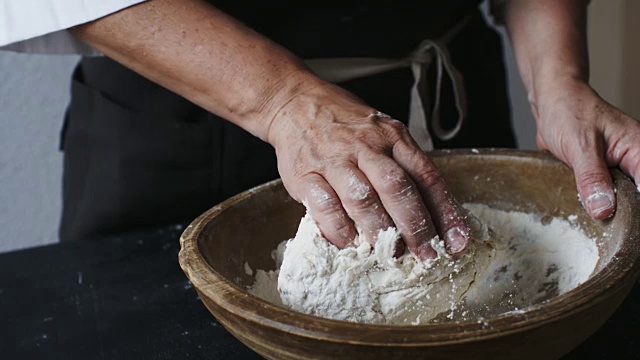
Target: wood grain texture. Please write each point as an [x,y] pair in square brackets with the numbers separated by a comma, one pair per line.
[247,227]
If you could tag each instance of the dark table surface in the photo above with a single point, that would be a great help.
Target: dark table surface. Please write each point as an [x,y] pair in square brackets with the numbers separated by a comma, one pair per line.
[127,298]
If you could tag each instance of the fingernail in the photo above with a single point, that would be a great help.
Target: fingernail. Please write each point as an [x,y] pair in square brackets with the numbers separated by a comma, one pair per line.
[599,202]
[457,240]
[425,252]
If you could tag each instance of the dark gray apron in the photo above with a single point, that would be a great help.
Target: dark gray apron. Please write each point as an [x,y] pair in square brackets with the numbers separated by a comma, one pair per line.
[137,156]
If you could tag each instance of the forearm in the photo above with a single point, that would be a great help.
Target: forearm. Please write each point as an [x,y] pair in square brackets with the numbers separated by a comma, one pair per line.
[573,122]
[204,55]
[549,42]
[328,144]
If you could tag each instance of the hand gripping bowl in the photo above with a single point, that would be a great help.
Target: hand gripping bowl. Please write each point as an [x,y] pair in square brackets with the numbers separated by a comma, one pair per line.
[248,227]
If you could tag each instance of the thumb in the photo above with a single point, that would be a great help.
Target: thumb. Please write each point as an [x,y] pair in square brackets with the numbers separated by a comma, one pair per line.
[594,181]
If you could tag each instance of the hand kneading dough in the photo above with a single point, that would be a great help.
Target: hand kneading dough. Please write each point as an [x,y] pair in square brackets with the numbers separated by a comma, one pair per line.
[367,284]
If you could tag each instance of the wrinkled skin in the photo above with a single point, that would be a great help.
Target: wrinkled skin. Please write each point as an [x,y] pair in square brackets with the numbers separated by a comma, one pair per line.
[589,135]
[357,171]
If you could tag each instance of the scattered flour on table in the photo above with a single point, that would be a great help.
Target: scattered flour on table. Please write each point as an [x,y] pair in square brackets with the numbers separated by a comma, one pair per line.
[515,261]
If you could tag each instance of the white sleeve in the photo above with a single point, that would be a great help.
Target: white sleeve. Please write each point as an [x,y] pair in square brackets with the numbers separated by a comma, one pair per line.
[39,26]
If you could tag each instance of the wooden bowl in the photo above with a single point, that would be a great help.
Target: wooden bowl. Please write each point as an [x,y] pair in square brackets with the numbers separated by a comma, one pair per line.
[248,227]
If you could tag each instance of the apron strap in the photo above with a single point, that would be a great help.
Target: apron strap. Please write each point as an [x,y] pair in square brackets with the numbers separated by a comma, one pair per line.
[345,69]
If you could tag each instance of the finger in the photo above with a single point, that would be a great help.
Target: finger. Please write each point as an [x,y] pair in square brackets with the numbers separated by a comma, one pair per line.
[445,211]
[593,178]
[631,165]
[626,151]
[360,200]
[630,162]
[325,208]
[402,201]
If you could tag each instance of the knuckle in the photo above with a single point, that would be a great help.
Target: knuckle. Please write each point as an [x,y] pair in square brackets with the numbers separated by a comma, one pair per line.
[327,208]
[396,181]
[591,177]
[367,203]
[323,204]
[428,176]
[358,189]
[318,195]
[397,126]
[395,130]
[360,197]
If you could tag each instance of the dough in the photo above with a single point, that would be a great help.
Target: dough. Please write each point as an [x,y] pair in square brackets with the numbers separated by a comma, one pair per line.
[524,260]
[367,284]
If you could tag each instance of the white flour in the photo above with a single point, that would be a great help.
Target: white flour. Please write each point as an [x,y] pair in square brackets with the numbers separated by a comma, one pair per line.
[526,263]
[534,261]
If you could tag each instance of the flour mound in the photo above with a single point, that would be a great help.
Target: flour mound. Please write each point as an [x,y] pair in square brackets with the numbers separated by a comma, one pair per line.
[524,260]
[367,284]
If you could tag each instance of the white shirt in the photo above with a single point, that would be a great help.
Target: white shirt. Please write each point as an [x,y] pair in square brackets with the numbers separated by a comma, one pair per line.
[39,26]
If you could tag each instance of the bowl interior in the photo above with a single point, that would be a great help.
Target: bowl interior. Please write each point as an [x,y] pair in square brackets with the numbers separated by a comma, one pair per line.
[258,220]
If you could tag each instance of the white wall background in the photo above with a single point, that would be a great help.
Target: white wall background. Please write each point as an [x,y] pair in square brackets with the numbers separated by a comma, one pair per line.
[34,91]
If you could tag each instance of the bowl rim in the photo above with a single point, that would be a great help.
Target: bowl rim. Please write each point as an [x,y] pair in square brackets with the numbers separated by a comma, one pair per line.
[238,301]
